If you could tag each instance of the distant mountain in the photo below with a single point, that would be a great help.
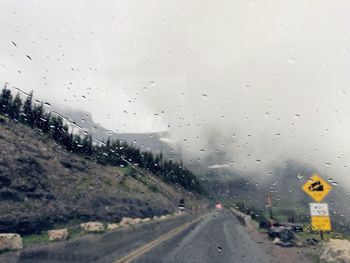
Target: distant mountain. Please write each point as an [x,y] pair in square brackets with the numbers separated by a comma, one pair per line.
[82,122]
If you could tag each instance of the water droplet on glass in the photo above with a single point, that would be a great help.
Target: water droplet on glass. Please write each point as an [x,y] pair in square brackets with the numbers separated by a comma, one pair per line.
[291,61]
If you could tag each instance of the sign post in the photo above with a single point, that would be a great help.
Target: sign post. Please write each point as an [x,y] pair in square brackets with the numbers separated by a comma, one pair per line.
[269,204]
[318,189]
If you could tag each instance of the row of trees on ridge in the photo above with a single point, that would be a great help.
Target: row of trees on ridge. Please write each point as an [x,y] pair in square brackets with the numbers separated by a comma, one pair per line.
[111,152]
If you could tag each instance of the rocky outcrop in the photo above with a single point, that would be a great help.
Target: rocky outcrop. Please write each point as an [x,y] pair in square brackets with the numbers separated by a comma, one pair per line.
[10,242]
[58,234]
[336,250]
[92,227]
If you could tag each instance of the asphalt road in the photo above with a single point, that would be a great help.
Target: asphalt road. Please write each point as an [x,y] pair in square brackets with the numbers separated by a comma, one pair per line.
[219,237]
[107,247]
[215,237]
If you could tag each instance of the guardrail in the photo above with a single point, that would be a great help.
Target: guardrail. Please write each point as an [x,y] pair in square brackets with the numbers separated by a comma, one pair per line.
[242,217]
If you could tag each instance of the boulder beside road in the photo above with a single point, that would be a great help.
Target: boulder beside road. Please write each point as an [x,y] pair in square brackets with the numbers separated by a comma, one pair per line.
[10,242]
[128,221]
[336,250]
[163,217]
[112,226]
[137,220]
[92,227]
[58,234]
[147,219]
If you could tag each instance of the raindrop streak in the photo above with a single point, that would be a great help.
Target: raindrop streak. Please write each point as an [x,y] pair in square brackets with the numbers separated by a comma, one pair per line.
[25,93]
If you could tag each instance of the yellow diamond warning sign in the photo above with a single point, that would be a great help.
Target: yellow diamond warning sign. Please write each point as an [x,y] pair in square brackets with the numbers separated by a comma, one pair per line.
[317,188]
[321,223]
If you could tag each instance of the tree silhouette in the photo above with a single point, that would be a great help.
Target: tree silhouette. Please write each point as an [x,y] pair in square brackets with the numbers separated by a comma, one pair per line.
[15,109]
[5,101]
[38,116]
[27,114]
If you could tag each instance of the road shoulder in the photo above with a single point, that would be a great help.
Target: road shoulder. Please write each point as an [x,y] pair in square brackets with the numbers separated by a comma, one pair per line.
[280,254]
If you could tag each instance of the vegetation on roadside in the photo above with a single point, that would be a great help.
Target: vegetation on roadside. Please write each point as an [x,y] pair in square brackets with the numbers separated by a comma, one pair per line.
[35,239]
[42,238]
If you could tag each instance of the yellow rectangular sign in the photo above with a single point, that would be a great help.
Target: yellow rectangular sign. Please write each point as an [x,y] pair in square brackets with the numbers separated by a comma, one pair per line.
[321,223]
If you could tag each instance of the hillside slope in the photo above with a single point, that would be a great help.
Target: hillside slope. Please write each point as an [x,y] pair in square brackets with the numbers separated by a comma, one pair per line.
[42,185]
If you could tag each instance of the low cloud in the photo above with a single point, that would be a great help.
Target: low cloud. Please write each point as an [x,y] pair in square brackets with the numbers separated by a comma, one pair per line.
[244,84]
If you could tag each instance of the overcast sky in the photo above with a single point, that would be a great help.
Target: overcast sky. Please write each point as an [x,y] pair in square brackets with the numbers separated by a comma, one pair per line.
[269,80]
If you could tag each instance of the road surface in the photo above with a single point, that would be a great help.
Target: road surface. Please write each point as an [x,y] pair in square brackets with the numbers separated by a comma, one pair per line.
[219,237]
[213,237]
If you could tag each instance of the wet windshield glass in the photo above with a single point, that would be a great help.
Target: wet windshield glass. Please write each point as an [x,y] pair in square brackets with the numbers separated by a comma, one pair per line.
[174,131]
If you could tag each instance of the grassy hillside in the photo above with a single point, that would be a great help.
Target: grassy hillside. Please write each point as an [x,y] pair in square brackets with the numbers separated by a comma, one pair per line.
[42,185]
